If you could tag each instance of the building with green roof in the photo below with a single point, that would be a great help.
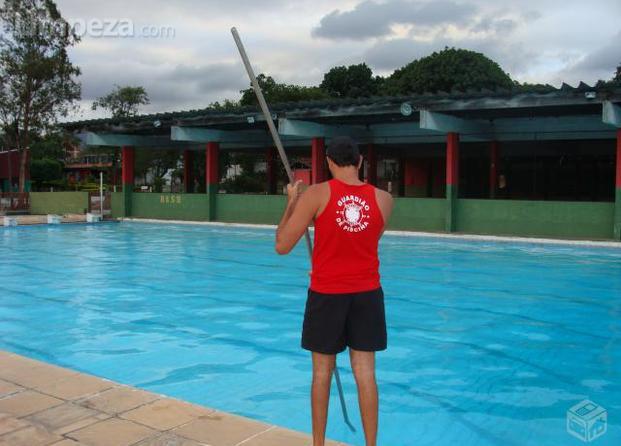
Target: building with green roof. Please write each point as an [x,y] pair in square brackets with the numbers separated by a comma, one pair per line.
[541,162]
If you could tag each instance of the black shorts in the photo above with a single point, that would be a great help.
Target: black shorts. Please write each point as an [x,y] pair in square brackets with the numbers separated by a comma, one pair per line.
[333,322]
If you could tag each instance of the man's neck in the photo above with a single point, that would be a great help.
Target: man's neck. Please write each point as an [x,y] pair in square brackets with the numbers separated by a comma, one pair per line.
[348,175]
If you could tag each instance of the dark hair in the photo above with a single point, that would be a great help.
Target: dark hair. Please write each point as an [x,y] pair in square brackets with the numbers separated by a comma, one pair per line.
[343,151]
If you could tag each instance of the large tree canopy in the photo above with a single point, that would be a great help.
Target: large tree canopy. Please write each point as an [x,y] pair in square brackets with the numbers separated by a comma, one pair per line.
[446,70]
[275,92]
[37,80]
[123,102]
[351,82]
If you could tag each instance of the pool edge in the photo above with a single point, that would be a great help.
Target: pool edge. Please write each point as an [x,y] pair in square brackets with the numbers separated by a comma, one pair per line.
[454,236]
[33,395]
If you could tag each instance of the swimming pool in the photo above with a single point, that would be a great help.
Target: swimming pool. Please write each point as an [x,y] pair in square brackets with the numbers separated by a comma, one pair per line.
[490,343]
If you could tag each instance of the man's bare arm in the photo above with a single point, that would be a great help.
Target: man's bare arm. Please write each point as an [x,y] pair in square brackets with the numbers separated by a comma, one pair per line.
[298,215]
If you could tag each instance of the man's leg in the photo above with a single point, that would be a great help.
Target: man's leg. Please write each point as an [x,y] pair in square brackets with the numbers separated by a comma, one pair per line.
[363,365]
[323,366]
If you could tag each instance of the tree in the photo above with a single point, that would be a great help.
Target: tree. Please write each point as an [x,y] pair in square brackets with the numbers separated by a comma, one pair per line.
[45,170]
[225,106]
[248,180]
[48,146]
[611,84]
[353,81]
[37,80]
[447,70]
[158,163]
[275,92]
[123,102]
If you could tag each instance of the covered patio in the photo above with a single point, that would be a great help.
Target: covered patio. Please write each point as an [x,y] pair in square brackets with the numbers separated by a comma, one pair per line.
[529,163]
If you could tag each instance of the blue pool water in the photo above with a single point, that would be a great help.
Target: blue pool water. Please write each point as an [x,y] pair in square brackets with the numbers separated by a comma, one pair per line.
[489,343]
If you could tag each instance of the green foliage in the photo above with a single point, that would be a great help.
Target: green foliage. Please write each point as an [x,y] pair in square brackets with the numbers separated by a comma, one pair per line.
[91,186]
[37,80]
[158,184]
[244,184]
[48,146]
[532,88]
[158,163]
[248,180]
[227,105]
[42,171]
[447,70]
[277,93]
[611,84]
[352,82]
[123,102]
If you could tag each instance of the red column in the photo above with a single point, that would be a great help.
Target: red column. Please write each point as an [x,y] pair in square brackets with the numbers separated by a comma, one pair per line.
[127,177]
[452,159]
[318,162]
[493,168]
[452,180]
[270,158]
[188,171]
[212,175]
[372,165]
[127,166]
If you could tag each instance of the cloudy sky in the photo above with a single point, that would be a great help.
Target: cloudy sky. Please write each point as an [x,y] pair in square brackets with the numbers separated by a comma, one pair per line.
[296,41]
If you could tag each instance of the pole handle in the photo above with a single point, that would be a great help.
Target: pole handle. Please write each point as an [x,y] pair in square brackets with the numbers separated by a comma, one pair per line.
[270,122]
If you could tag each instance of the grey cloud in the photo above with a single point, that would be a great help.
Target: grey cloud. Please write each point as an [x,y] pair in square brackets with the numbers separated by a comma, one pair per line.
[209,78]
[531,16]
[172,88]
[389,55]
[495,25]
[605,58]
[373,19]
[149,9]
[599,64]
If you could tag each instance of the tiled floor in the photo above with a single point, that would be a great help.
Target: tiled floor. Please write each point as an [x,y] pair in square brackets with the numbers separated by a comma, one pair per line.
[42,404]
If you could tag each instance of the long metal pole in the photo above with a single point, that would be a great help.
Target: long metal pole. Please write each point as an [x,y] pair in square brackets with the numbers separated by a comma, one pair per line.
[283,156]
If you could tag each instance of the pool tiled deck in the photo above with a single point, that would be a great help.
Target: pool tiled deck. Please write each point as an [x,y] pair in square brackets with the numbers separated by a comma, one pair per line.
[42,404]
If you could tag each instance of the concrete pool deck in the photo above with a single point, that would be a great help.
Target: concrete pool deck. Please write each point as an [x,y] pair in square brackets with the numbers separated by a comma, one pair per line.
[43,404]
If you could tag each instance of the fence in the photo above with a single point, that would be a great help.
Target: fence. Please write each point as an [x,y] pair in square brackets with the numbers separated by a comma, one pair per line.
[14,202]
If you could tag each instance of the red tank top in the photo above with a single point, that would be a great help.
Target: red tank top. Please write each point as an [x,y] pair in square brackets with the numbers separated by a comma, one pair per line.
[347,233]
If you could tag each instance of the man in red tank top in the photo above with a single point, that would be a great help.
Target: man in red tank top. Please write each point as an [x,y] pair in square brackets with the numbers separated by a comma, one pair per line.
[345,303]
